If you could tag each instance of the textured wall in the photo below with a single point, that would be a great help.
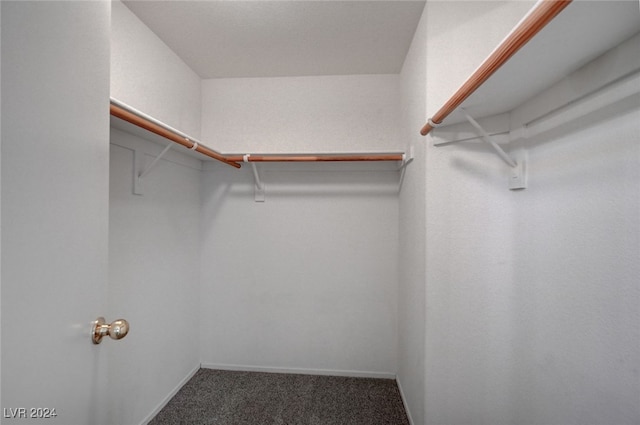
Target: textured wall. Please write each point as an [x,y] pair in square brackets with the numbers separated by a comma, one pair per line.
[412,204]
[305,280]
[149,76]
[575,296]
[357,113]
[469,233]
[154,273]
[577,293]
[532,296]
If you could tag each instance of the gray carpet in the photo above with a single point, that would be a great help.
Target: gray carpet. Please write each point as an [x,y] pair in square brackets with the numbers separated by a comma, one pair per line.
[252,398]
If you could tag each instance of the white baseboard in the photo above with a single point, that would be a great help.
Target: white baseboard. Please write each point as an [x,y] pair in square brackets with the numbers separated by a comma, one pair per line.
[299,371]
[173,392]
[404,401]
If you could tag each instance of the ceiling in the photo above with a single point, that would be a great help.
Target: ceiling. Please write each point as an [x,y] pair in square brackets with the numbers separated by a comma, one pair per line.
[220,39]
[276,38]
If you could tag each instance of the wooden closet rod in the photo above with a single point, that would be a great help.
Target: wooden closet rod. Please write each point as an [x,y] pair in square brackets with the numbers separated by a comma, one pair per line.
[542,13]
[137,120]
[315,158]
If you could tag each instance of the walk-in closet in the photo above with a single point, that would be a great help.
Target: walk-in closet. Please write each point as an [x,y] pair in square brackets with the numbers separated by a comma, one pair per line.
[320,212]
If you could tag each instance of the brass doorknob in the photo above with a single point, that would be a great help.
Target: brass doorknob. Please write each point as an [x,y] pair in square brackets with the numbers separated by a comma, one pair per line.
[118,329]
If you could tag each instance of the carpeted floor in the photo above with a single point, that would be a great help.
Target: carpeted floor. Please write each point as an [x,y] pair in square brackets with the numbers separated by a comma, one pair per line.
[251,398]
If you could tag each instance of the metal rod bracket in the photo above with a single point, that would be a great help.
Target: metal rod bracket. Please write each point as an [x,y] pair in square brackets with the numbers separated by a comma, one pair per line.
[156,159]
[140,171]
[259,185]
[518,175]
[138,164]
[487,139]
[407,158]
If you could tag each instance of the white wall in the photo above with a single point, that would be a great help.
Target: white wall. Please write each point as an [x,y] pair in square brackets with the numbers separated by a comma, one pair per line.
[358,113]
[149,76]
[531,311]
[305,281]
[55,87]
[576,296]
[469,242]
[154,275]
[461,34]
[412,204]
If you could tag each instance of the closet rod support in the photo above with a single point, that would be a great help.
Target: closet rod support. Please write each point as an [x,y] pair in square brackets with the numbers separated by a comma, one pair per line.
[155,161]
[133,116]
[259,185]
[256,176]
[406,160]
[487,138]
